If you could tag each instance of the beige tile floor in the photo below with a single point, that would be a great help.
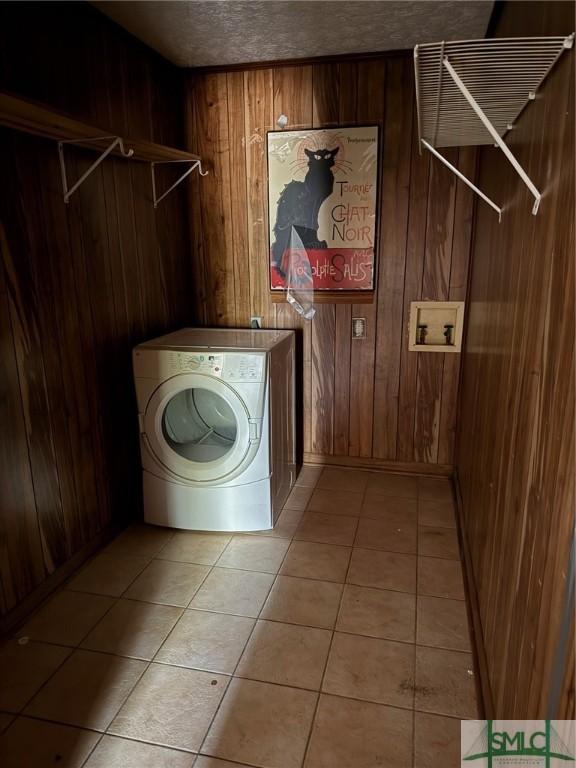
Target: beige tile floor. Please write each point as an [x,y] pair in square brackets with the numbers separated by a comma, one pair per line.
[338,640]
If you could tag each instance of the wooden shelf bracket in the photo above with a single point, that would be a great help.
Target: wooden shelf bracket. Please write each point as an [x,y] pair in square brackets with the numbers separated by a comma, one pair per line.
[194,164]
[117,143]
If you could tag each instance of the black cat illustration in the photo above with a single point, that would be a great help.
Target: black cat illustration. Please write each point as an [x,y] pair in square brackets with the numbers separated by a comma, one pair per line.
[299,204]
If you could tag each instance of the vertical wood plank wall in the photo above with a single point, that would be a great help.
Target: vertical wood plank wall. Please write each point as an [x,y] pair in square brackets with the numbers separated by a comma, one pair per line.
[367,401]
[79,286]
[515,459]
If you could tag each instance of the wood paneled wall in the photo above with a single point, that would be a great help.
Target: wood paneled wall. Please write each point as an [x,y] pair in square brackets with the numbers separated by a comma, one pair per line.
[80,284]
[515,459]
[368,401]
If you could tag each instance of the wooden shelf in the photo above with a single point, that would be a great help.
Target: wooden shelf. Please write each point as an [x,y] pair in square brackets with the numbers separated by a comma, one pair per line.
[28,116]
[330,297]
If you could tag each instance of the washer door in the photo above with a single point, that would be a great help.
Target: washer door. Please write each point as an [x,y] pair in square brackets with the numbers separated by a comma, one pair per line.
[198,427]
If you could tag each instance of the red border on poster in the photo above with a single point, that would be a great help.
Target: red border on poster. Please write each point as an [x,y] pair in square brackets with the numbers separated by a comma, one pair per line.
[333,269]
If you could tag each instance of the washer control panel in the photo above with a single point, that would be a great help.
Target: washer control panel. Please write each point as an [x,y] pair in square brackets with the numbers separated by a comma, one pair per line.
[196,362]
[233,367]
[243,367]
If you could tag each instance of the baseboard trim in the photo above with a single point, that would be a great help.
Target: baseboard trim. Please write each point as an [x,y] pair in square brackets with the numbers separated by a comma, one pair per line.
[479,648]
[405,468]
[20,613]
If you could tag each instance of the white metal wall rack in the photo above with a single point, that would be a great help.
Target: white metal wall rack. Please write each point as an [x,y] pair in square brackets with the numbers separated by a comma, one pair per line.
[22,115]
[116,142]
[195,164]
[472,92]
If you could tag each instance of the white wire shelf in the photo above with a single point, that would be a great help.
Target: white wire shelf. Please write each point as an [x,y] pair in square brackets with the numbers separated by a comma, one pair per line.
[471,92]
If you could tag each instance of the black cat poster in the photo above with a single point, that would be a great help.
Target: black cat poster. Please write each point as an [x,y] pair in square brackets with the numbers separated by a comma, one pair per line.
[322,196]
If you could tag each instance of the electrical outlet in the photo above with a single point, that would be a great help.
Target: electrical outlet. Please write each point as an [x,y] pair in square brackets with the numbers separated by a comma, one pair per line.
[255,322]
[358,327]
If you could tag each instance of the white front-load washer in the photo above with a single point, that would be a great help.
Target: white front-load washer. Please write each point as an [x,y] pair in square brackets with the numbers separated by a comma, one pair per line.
[217,427]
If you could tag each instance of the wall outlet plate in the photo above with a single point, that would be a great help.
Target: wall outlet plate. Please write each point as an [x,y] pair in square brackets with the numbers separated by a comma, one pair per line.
[358,327]
[431,321]
[255,322]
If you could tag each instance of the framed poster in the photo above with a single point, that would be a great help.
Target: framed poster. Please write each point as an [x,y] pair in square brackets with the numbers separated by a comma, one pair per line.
[322,203]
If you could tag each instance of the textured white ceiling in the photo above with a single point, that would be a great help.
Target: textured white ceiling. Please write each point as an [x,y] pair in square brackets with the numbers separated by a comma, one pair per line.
[220,32]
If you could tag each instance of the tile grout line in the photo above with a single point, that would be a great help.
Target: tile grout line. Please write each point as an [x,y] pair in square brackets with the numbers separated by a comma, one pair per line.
[315,714]
[73,649]
[415,631]
[243,616]
[147,663]
[233,675]
[184,608]
[157,556]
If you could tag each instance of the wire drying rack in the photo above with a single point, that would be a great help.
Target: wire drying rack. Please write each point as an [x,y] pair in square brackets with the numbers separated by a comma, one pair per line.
[472,92]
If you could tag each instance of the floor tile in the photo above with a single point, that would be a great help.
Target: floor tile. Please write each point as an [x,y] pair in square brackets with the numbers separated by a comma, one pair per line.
[338,479]
[214,762]
[24,669]
[390,509]
[284,528]
[108,574]
[229,591]
[358,734]
[374,670]
[384,484]
[436,741]
[303,601]
[436,513]
[262,724]
[286,654]
[309,475]
[299,497]
[5,721]
[209,641]
[440,578]
[328,562]
[67,617]
[445,683]
[201,548]
[438,542]
[377,613]
[87,690]
[114,752]
[35,744]
[327,529]
[436,488]
[171,706]
[443,623]
[168,583]
[132,628]
[290,516]
[332,502]
[254,553]
[140,540]
[386,570]
[391,537]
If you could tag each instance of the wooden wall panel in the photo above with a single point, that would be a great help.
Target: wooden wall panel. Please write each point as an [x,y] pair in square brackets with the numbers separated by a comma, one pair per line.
[258,98]
[80,285]
[293,96]
[394,208]
[515,456]
[364,400]
[325,109]
[370,109]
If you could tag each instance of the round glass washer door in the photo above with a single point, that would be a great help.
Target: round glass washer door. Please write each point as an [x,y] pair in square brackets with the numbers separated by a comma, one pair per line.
[198,427]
